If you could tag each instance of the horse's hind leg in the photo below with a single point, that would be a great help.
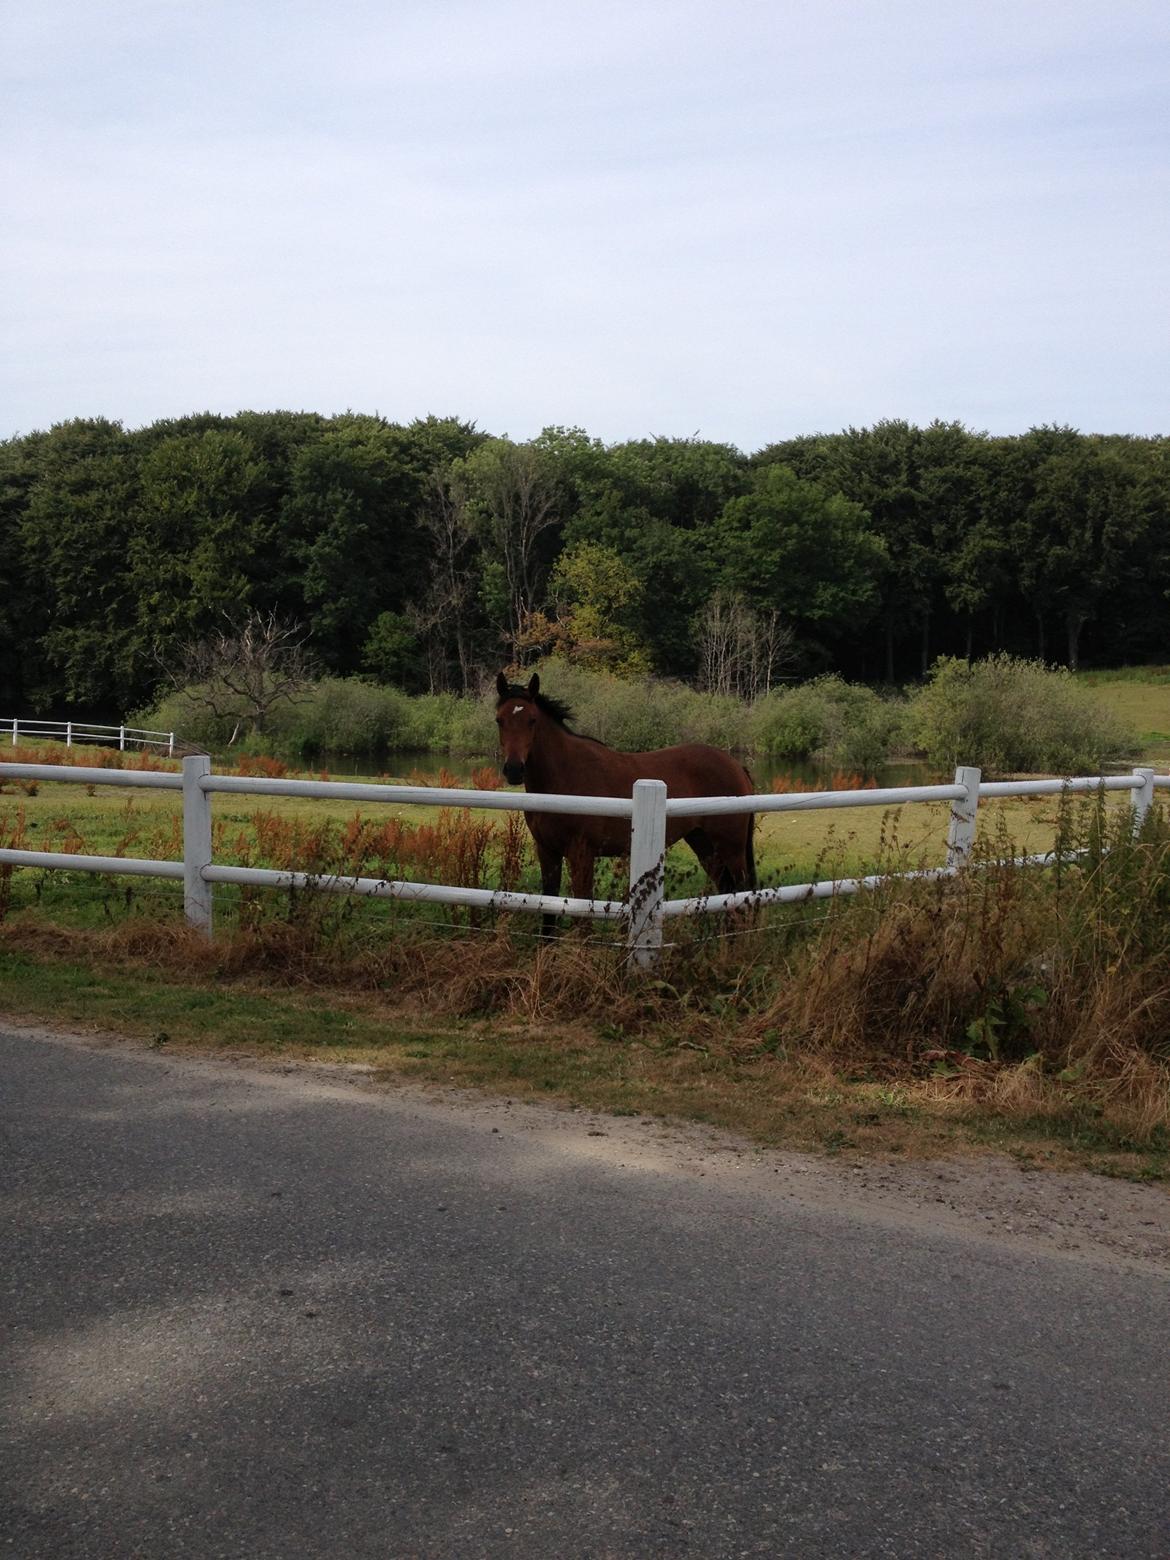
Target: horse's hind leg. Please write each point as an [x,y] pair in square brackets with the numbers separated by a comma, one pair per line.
[709,858]
[724,850]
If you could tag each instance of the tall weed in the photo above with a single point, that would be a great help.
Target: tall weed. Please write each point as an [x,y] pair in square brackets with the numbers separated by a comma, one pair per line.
[13,836]
[1066,970]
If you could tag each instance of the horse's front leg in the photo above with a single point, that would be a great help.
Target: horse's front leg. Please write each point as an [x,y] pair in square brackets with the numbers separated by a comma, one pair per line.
[582,862]
[552,864]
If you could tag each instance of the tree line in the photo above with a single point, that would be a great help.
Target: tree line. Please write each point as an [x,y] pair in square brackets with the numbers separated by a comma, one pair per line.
[424,554]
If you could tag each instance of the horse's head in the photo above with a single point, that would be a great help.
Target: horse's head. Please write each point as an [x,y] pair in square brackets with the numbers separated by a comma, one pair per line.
[516,717]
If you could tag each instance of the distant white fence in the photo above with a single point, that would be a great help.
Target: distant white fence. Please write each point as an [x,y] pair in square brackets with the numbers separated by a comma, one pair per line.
[71,731]
[648,808]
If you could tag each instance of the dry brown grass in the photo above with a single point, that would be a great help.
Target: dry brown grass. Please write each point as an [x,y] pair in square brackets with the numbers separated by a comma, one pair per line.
[88,756]
[1029,995]
[839,780]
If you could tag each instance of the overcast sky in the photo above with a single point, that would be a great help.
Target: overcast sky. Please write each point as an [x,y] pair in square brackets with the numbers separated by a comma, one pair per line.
[747,220]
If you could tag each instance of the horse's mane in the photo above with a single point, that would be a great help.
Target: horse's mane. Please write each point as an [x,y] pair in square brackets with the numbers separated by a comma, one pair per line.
[555,709]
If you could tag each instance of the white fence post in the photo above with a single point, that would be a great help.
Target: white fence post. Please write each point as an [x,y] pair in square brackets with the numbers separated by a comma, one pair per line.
[1143,798]
[15,732]
[647,871]
[121,739]
[961,831]
[196,843]
[171,746]
[68,733]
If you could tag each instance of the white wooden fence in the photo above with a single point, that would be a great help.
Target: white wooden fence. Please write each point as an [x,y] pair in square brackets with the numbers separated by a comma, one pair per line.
[648,808]
[71,731]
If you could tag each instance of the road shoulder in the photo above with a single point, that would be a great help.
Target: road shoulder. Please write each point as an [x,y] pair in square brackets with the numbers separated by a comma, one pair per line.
[1112,1223]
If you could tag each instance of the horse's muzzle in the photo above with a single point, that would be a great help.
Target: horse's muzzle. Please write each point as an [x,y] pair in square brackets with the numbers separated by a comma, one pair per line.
[513,771]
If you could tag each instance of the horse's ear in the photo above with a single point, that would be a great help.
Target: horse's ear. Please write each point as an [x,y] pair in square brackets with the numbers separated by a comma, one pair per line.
[533,685]
[501,685]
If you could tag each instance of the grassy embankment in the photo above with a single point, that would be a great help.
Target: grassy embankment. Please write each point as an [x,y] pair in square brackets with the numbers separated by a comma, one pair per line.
[1017,1015]
[1140,698]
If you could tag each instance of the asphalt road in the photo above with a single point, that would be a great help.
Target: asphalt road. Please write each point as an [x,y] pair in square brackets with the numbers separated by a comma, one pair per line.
[251,1313]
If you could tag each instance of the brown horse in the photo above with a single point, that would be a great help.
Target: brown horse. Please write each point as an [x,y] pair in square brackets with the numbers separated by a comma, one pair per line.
[538,748]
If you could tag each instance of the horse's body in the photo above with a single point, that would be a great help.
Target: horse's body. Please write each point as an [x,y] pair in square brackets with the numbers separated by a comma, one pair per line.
[539,749]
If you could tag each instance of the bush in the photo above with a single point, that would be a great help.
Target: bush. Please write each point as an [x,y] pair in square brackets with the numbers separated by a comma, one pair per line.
[473,729]
[182,714]
[335,715]
[427,721]
[1009,715]
[642,713]
[830,721]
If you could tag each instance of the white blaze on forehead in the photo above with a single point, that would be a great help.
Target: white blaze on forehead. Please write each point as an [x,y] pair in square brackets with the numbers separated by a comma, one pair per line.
[519,710]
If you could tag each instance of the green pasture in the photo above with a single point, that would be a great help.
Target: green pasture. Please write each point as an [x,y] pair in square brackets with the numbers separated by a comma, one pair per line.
[115,820]
[1140,698]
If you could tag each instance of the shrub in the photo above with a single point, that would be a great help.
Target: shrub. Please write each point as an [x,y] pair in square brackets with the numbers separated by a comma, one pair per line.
[344,715]
[336,715]
[641,713]
[875,731]
[1011,715]
[828,720]
[472,726]
[178,712]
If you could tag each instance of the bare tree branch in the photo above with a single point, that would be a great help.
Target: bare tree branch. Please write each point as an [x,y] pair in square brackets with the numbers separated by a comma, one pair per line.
[242,672]
[741,651]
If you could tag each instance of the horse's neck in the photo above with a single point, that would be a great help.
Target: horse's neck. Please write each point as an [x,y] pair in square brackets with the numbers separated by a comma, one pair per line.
[549,758]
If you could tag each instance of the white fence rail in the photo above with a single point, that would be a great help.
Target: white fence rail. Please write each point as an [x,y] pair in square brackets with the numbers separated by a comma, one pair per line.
[648,808]
[71,731]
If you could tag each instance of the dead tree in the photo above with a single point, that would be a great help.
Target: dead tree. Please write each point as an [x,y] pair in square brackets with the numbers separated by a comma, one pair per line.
[243,671]
[740,650]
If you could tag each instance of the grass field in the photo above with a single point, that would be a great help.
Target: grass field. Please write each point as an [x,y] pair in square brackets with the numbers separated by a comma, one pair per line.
[796,847]
[485,849]
[1021,1017]
[1140,697]
[313,834]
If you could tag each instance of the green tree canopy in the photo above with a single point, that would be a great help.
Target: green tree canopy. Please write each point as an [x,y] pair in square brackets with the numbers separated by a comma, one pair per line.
[198,523]
[75,531]
[810,555]
[353,539]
